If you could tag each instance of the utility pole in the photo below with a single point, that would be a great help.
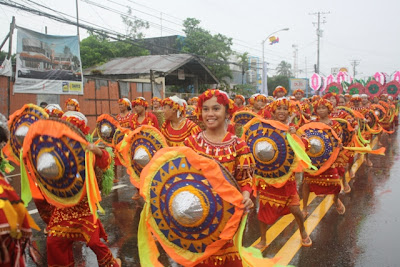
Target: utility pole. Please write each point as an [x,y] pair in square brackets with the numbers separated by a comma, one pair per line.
[77,20]
[295,57]
[355,63]
[12,27]
[319,34]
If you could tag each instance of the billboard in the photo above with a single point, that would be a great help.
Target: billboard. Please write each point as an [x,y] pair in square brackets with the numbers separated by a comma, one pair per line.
[298,84]
[47,64]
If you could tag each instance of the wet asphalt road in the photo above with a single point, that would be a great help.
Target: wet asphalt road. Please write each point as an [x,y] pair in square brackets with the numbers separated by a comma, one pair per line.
[367,235]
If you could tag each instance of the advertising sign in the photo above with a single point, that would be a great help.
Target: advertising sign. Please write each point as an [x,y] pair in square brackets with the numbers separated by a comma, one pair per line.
[47,64]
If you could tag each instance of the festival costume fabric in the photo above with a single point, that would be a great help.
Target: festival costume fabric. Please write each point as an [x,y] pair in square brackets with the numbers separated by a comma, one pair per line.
[124,121]
[15,225]
[19,124]
[176,137]
[64,174]
[193,208]
[149,119]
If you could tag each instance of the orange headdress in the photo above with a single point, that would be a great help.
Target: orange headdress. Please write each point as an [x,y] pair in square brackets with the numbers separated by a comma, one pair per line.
[125,101]
[282,102]
[222,98]
[279,89]
[77,119]
[141,101]
[73,101]
[322,102]
[176,103]
[298,91]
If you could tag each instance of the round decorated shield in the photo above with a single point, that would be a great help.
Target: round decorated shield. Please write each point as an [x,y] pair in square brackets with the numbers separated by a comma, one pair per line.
[138,148]
[372,122]
[243,117]
[106,126]
[373,88]
[324,145]
[379,111]
[348,131]
[392,88]
[54,155]
[355,88]
[275,159]
[334,88]
[192,204]
[19,123]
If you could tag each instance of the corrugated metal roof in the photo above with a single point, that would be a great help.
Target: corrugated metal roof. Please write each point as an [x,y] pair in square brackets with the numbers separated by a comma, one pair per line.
[142,65]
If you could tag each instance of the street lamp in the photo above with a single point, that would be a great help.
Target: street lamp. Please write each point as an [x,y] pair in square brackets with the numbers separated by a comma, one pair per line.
[264,86]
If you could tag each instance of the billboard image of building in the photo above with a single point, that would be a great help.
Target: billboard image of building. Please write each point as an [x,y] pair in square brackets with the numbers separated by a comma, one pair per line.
[47,64]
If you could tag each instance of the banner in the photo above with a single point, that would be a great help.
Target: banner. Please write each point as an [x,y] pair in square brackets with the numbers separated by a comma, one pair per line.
[47,64]
[5,68]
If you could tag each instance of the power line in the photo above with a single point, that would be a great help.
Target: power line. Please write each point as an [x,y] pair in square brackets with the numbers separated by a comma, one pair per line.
[104,32]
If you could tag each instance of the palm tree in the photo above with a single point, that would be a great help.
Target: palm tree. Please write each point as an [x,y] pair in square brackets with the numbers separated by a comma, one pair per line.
[284,69]
[243,63]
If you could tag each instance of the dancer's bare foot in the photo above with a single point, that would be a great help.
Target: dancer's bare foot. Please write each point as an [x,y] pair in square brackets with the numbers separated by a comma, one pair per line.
[340,208]
[346,188]
[262,245]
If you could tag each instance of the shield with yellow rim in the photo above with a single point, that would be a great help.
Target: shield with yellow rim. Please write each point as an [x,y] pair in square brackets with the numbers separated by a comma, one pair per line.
[106,126]
[54,156]
[19,124]
[324,145]
[274,157]
[191,204]
[138,148]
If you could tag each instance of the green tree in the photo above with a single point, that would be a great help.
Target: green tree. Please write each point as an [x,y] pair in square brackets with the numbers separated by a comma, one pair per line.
[275,81]
[98,49]
[284,69]
[244,63]
[214,50]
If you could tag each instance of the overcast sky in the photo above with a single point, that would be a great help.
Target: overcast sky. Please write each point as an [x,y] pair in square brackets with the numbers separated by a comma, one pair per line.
[368,31]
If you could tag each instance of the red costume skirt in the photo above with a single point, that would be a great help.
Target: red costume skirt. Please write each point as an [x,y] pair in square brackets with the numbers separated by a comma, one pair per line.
[276,202]
[326,183]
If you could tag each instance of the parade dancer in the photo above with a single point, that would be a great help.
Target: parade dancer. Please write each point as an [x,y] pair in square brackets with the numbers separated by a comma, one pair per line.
[342,161]
[125,112]
[72,105]
[15,221]
[177,127]
[233,153]
[239,102]
[142,116]
[156,104]
[71,224]
[276,202]
[260,102]
[329,181]
[279,92]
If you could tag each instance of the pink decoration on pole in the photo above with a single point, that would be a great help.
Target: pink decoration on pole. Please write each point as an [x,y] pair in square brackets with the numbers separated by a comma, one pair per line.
[380,78]
[341,77]
[315,81]
[330,79]
[396,76]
